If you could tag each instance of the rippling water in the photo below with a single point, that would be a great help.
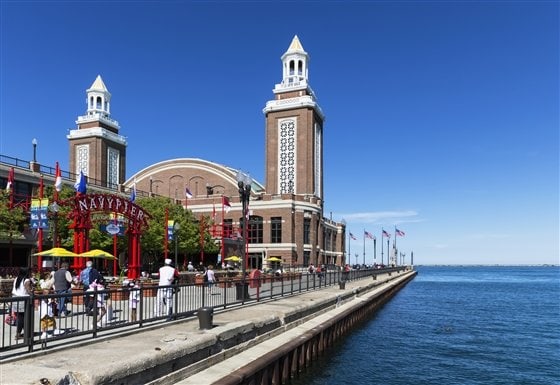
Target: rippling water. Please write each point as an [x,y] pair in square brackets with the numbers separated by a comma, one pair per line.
[456,325]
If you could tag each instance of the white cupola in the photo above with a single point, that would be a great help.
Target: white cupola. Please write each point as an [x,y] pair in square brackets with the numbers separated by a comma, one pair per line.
[98,99]
[294,63]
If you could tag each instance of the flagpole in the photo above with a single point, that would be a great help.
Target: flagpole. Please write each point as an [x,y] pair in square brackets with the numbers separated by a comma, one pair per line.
[382,245]
[395,238]
[374,250]
[364,233]
[166,232]
[388,261]
[40,234]
[349,252]
[222,251]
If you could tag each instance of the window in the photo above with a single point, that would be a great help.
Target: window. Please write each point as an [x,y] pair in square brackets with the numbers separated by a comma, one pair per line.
[255,231]
[306,257]
[228,228]
[276,230]
[306,230]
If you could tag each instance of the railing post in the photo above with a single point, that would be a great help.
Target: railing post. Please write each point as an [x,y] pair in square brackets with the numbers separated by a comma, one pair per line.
[28,321]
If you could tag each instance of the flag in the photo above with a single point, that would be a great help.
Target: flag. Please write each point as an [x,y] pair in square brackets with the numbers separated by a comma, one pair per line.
[225,203]
[368,235]
[10,180]
[399,233]
[133,192]
[80,184]
[352,236]
[213,211]
[188,193]
[57,179]
[386,234]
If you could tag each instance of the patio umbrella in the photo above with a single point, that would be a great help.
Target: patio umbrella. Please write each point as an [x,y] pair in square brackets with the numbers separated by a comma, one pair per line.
[233,258]
[274,259]
[58,252]
[97,253]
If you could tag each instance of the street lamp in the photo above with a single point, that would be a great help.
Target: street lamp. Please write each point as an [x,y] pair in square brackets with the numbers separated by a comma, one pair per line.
[244,183]
[176,228]
[34,143]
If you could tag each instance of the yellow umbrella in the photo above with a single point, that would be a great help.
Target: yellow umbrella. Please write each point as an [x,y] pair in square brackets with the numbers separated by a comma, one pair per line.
[56,252]
[274,259]
[97,253]
[233,258]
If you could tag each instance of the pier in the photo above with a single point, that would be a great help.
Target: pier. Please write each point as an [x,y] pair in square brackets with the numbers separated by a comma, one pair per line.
[258,343]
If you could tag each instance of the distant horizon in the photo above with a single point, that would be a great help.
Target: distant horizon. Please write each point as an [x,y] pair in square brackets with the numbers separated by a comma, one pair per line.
[481,264]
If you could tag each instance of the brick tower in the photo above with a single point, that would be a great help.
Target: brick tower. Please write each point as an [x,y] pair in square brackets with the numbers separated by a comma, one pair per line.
[96,148]
[294,131]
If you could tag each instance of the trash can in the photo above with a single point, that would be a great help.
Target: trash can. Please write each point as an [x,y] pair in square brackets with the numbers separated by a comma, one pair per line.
[342,284]
[205,315]
[241,291]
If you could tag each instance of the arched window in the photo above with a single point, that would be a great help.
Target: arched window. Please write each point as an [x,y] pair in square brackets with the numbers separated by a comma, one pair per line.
[292,69]
[98,103]
[300,68]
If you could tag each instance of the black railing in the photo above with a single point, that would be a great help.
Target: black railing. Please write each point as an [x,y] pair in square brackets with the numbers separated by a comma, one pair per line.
[152,306]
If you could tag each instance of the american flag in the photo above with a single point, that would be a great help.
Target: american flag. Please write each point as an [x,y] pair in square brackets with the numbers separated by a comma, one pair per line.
[399,233]
[386,234]
[352,236]
[368,235]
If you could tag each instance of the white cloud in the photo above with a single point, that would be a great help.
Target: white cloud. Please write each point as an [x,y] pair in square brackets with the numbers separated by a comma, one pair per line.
[382,217]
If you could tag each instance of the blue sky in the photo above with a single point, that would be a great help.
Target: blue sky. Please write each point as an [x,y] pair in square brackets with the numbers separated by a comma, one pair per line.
[442,118]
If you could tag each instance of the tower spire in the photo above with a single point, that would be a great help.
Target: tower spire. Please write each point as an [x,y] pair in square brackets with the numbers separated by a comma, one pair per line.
[98,99]
[295,64]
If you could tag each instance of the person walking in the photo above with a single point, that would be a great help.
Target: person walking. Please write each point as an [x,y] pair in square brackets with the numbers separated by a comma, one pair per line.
[99,301]
[63,286]
[167,276]
[133,299]
[210,278]
[84,280]
[22,288]
[88,276]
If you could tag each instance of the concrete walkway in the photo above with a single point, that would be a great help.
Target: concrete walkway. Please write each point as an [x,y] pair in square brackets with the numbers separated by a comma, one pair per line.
[173,353]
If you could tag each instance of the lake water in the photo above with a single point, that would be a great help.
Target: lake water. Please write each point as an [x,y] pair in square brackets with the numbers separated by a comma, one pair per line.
[456,325]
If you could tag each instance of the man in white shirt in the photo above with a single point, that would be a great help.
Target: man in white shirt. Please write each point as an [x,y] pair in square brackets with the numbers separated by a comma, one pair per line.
[167,276]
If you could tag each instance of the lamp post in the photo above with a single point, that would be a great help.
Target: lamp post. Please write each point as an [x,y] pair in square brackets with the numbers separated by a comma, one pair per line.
[34,143]
[244,182]
[54,208]
[176,228]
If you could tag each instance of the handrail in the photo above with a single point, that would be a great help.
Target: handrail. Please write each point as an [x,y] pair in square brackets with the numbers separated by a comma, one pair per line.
[187,298]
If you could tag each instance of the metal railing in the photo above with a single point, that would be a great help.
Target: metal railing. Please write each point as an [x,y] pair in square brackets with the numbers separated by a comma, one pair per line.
[155,304]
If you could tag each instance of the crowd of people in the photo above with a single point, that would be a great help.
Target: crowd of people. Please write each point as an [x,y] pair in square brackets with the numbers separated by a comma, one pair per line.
[59,282]
[95,301]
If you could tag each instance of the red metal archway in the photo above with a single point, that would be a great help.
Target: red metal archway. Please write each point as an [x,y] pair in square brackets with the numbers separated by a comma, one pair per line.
[137,219]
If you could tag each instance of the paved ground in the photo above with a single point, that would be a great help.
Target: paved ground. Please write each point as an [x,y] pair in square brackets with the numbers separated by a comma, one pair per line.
[108,360]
